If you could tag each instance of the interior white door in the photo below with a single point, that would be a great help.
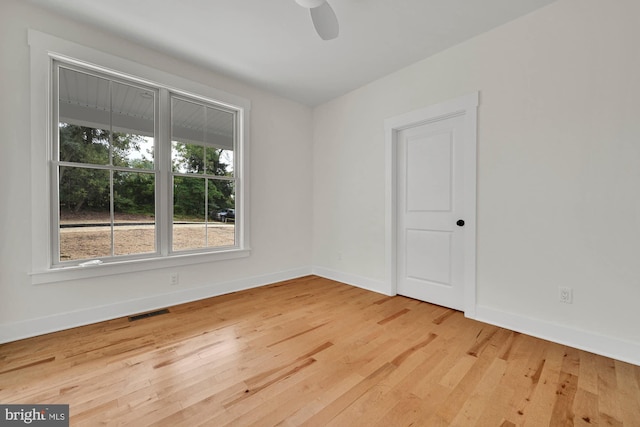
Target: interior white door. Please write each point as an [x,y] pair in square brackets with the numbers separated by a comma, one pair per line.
[430,212]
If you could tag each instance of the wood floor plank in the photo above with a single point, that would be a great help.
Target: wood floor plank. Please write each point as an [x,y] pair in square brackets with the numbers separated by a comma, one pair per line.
[497,406]
[524,369]
[481,396]
[609,403]
[546,379]
[316,352]
[585,408]
[627,381]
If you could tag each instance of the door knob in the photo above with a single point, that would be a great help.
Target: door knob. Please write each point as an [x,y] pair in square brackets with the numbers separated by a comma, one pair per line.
[460,223]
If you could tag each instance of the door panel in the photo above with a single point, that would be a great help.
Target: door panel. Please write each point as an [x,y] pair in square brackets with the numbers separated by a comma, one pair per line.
[430,251]
[429,256]
[429,172]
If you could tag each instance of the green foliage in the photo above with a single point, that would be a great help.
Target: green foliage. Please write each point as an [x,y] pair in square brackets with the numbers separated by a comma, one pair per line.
[134,193]
[221,195]
[84,145]
[189,193]
[199,159]
[81,144]
[188,197]
[85,189]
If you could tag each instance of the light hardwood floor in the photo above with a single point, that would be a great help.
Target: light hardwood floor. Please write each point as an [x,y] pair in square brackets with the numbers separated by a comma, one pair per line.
[315,352]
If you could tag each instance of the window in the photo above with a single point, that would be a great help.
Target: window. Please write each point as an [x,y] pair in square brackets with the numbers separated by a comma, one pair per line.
[144,169]
[104,167]
[202,146]
[108,177]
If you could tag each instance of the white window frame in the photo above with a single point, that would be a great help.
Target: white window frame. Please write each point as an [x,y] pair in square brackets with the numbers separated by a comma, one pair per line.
[43,49]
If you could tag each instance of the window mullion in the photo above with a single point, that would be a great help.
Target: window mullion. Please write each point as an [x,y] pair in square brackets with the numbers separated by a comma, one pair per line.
[164,190]
[112,213]
[238,190]
[206,209]
[54,152]
[111,164]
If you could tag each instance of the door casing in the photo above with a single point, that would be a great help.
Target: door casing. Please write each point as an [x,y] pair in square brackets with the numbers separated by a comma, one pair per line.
[467,106]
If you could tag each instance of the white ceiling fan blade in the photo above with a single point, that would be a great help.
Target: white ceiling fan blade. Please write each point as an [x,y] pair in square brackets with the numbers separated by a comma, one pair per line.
[325,21]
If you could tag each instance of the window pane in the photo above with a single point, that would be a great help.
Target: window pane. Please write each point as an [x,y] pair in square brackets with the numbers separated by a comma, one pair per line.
[189,217]
[219,135]
[203,139]
[84,121]
[84,209]
[222,213]
[187,136]
[132,115]
[134,213]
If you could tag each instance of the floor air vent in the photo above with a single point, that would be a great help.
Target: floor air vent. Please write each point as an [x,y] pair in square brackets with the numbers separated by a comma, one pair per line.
[150,314]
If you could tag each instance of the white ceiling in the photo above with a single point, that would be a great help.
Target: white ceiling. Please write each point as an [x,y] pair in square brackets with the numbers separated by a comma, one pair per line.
[271,44]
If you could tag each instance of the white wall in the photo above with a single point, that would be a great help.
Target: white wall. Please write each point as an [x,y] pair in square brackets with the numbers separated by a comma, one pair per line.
[280,182]
[558,171]
[558,178]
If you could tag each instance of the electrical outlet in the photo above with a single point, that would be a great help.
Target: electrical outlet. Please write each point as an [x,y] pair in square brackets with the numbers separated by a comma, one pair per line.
[173,279]
[566,295]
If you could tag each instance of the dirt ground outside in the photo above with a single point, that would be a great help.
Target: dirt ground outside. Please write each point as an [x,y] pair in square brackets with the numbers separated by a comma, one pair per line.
[89,236]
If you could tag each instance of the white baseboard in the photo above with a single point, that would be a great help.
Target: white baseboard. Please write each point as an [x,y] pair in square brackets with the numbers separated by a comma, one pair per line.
[44,325]
[353,280]
[615,348]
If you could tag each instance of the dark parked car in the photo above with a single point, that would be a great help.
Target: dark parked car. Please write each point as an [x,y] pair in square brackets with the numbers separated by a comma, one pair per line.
[225,215]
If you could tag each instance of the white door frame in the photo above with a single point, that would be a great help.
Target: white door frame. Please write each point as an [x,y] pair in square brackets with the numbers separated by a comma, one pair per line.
[466,105]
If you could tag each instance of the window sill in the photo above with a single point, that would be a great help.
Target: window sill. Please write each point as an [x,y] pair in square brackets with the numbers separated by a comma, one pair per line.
[63,274]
